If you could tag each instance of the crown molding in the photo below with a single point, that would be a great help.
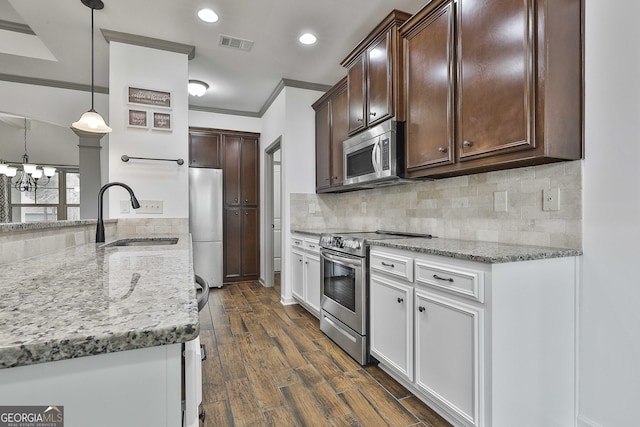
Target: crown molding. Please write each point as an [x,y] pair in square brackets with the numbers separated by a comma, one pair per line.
[224,111]
[115,36]
[290,83]
[16,27]
[51,83]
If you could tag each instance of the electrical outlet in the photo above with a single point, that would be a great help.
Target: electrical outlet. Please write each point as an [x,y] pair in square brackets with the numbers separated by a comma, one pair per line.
[150,207]
[551,199]
[500,201]
[125,205]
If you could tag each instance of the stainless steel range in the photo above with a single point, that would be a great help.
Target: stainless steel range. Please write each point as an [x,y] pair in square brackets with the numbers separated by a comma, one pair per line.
[345,288]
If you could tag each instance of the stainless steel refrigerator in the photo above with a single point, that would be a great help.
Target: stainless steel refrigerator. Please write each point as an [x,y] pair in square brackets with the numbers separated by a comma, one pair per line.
[205,223]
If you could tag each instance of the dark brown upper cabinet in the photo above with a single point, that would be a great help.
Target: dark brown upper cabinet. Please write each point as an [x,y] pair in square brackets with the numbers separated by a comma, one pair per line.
[331,131]
[204,148]
[374,76]
[492,84]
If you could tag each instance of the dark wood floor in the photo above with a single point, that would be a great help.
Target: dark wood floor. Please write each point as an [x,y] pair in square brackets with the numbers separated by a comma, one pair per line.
[269,365]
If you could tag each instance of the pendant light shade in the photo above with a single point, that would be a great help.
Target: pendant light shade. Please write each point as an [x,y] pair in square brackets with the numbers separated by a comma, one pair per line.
[91,121]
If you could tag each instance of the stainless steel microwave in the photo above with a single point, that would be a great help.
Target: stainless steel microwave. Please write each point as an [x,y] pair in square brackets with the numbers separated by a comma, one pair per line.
[375,157]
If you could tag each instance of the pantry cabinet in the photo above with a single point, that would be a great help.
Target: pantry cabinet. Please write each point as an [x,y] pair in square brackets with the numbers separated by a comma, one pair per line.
[305,272]
[485,345]
[518,85]
[331,131]
[374,76]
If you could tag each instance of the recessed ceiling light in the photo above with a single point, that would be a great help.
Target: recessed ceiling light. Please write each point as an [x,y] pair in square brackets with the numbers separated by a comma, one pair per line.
[308,38]
[208,15]
[197,87]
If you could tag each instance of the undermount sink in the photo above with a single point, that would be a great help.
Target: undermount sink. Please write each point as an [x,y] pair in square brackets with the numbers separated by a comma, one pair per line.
[150,241]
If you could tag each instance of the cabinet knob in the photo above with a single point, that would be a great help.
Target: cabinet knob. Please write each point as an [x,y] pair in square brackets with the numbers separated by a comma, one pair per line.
[467,143]
[236,212]
[372,114]
[246,213]
[400,300]
[334,177]
[246,200]
[421,309]
[442,150]
[235,200]
[359,120]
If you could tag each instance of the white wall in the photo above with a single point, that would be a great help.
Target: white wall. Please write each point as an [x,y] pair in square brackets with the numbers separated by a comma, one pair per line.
[224,121]
[150,180]
[291,117]
[609,347]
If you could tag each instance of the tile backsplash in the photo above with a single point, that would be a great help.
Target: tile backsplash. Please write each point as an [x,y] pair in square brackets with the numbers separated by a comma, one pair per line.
[459,208]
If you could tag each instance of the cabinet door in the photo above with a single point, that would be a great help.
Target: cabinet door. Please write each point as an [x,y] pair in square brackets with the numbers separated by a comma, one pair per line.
[448,352]
[297,275]
[312,281]
[495,85]
[429,87]
[231,172]
[249,172]
[204,149]
[323,146]
[391,324]
[232,243]
[250,242]
[379,90]
[339,132]
[356,95]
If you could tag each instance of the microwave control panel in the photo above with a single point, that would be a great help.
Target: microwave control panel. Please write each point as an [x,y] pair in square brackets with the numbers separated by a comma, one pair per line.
[385,154]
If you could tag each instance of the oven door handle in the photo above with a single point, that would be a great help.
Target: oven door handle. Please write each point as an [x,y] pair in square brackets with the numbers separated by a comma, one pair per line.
[349,262]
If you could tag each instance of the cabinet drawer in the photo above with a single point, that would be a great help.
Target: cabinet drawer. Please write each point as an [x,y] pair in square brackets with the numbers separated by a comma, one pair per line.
[451,278]
[391,264]
[297,242]
[311,245]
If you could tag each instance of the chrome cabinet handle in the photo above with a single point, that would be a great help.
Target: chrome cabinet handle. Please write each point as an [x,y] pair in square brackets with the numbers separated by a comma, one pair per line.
[421,309]
[435,276]
[442,150]
[400,300]
[467,144]
[387,265]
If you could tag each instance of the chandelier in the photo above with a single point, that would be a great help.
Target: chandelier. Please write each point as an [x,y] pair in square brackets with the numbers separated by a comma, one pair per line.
[26,179]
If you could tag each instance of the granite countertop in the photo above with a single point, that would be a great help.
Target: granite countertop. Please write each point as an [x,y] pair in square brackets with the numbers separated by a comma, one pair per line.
[89,299]
[487,252]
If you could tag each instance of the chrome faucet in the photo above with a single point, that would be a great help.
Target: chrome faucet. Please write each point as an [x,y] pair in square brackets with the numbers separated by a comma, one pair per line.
[100,226]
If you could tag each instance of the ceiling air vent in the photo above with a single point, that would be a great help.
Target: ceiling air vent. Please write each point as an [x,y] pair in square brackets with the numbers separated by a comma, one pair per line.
[235,42]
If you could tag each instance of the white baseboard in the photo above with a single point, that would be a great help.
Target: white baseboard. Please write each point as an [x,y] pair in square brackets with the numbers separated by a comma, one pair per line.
[288,301]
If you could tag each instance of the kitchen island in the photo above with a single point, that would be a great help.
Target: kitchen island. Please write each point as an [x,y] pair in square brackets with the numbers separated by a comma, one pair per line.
[99,330]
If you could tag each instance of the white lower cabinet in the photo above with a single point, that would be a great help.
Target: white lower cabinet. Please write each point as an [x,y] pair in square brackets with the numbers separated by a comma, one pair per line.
[485,345]
[448,338]
[391,324]
[305,272]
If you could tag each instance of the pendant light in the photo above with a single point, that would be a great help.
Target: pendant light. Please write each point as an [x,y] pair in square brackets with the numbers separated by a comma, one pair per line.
[91,121]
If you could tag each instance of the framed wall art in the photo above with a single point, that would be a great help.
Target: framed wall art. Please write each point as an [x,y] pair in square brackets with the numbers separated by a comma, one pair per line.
[149,97]
[137,118]
[161,121]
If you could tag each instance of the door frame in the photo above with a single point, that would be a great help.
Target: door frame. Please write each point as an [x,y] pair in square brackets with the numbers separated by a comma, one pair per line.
[268,208]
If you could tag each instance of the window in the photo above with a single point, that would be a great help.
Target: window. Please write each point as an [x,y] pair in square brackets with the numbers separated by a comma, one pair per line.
[59,199]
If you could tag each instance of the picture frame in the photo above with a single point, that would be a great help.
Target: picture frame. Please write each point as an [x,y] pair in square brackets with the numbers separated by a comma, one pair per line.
[137,118]
[162,121]
[155,98]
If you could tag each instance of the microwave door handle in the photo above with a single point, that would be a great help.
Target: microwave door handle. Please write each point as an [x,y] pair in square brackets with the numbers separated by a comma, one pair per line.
[375,157]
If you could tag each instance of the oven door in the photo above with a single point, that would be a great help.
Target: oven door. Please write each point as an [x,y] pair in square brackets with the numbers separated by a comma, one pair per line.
[343,288]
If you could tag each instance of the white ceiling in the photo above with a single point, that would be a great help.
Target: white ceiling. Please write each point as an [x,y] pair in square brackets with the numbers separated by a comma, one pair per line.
[241,81]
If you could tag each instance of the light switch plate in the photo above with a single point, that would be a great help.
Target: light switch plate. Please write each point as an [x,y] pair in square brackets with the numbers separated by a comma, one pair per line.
[150,207]
[500,201]
[551,199]
[125,205]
